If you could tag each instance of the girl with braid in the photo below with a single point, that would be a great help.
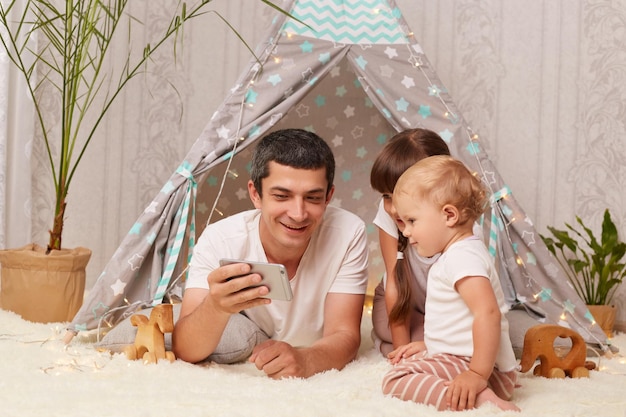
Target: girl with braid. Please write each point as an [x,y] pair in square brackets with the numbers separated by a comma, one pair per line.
[398,308]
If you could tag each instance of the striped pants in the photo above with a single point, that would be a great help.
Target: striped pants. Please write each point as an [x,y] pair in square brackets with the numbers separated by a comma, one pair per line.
[421,379]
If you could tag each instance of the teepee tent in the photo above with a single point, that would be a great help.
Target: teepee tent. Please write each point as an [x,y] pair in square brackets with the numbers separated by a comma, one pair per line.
[355,75]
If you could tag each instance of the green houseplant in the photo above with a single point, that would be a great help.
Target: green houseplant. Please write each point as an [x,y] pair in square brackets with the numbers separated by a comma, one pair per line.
[595,268]
[61,48]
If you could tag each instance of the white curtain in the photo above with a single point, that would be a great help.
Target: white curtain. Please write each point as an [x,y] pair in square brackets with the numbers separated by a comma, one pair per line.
[16,133]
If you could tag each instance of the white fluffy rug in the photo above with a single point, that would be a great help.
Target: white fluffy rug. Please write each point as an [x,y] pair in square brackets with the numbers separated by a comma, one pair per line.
[40,376]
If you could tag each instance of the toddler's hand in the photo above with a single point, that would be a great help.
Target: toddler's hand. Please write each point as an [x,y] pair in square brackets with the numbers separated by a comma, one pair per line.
[405,351]
[463,389]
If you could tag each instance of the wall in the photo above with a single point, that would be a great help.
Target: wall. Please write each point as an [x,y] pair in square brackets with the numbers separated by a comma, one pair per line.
[542,82]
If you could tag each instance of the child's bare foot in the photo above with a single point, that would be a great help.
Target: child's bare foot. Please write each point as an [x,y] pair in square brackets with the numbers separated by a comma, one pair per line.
[488,396]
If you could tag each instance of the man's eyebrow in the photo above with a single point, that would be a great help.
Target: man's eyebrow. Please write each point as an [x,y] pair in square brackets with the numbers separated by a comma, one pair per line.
[288,191]
[317,191]
[280,189]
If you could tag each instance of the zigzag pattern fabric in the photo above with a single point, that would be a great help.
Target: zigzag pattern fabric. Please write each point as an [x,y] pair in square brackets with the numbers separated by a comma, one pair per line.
[348,21]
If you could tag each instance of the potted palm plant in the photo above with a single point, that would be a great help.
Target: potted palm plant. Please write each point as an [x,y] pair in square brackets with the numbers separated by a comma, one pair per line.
[595,268]
[61,49]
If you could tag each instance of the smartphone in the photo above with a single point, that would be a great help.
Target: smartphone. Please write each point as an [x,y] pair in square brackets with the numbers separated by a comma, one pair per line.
[274,277]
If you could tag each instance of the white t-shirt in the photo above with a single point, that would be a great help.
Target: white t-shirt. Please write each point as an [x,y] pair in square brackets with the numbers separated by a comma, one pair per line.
[448,321]
[334,262]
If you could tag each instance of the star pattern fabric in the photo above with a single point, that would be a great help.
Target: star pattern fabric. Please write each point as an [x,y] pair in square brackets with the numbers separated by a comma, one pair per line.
[355,81]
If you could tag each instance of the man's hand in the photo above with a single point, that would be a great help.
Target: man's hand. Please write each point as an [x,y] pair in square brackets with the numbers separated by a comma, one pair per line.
[279,360]
[405,351]
[463,389]
[229,288]
[205,313]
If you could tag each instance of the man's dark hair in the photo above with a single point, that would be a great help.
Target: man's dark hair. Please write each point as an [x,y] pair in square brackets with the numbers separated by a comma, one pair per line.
[296,148]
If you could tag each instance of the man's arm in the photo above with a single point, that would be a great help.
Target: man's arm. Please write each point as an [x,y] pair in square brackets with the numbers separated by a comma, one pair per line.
[205,313]
[342,333]
[199,328]
[338,346]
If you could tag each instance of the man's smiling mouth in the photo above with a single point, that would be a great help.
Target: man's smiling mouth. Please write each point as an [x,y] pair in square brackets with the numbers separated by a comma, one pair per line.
[294,227]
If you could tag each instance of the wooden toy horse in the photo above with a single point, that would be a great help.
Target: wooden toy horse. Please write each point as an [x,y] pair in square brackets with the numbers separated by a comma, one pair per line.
[539,343]
[150,340]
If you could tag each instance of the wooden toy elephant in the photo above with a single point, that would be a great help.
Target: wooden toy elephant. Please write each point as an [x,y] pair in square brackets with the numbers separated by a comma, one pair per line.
[539,343]
[150,339]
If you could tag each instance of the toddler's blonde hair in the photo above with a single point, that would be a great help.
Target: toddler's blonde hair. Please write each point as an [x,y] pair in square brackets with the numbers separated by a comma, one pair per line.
[445,180]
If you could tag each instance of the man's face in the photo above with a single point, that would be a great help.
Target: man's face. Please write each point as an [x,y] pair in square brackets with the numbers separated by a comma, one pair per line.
[292,207]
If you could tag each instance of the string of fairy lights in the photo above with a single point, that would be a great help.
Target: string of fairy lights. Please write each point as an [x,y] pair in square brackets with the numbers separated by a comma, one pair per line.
[566,306]
[416,61]
[77,360]
[63,358]
[129,308]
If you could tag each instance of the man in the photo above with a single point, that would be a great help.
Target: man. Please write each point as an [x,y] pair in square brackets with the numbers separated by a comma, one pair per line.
[323,248]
